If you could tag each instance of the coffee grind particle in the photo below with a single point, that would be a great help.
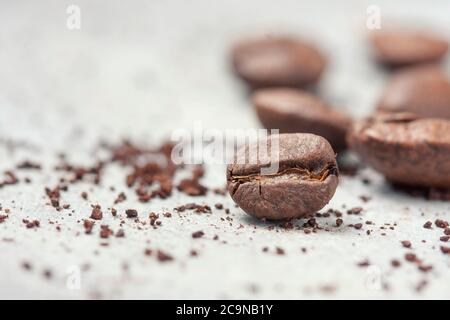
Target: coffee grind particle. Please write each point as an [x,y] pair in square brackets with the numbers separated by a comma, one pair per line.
[358,226]
[445,250]
[120,233]
[364,263]
[193,206]
[27,266]
[88,225]
[48,274]
[54,196]
[27,164]
[395,263]
[198,234]
[192,187]
[428,225]
[411,257]
[425,268]
[120,198]
[365,198]
[31,224]
[163,257]
[441,223]
[193,253]
[406,243]
[105,232]
[131,213]
[10,179]
[97,213]
[421,285]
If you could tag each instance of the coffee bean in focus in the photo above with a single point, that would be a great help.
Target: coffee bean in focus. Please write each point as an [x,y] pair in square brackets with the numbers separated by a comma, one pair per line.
[304,183]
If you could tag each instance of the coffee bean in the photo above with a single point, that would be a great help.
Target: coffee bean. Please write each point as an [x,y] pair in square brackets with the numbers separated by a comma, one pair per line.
[277,61]
[406,150]
[304,183]
[424,91]
[400,48]
[296,111]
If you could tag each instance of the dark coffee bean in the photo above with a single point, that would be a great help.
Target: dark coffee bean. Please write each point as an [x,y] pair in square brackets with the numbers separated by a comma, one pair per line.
[296,111]
[277,61]
[424,91]
[406,150]
[399,48]
[304,183]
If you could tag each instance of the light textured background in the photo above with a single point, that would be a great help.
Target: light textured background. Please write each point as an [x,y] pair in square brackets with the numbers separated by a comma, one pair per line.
[143,68]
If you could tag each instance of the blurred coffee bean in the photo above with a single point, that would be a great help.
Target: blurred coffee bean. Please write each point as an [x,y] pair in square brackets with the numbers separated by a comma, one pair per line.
[405,149]
[294,111]
[423,90]
[277,61]
[400,48]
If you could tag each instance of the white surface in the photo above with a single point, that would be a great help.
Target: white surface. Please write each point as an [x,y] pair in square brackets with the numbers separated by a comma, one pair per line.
[144,68]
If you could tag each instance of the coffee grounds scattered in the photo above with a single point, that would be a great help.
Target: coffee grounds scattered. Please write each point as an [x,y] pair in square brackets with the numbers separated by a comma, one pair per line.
[428,225]
[441,223]
[31,224]
[406,243]
[131,213]
[96,213]
[88,226]
[30,165]
[105,232]
[198,234]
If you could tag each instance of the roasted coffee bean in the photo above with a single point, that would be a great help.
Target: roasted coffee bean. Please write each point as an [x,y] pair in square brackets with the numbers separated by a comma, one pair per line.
[277,61]
[405,149]
[304,182]
[400,48]
[296,111]
[424,91]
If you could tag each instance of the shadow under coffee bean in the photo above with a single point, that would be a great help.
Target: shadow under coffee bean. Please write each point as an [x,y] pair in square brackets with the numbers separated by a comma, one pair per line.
[405,149]
[297,111]
[305,182]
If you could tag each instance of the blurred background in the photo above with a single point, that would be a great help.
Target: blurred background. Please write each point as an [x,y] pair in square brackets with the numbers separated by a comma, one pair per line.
[151,66]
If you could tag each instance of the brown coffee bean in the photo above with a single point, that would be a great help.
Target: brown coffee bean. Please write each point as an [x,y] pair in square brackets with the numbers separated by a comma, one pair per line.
[296,111]
[406,150]
[304,182]
[424,91]
[399,48]
[277,61]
